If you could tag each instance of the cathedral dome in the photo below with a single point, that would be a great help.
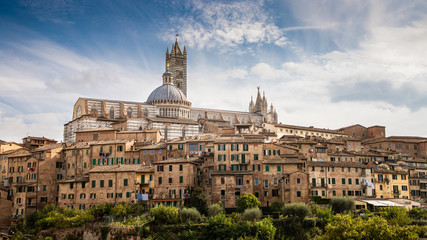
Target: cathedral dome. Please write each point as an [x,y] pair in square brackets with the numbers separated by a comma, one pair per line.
[167,92]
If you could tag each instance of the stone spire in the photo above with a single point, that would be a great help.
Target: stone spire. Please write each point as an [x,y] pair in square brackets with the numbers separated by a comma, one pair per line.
[251,105]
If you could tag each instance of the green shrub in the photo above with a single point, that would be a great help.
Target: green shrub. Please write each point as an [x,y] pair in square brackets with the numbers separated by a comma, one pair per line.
[297,210]
[252,214]
[324,215]
[247,200]
[396,215]
[121,210]
[190,215]
[418,213]
[197,200]
[342,204]
[264,230]
[277,206]
[215,209]
[165,215]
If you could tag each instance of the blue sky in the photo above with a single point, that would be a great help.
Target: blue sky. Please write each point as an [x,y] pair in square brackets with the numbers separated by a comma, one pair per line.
[327,64]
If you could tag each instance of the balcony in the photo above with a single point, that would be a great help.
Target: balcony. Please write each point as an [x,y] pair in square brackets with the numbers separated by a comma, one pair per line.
[31,194]
[239,186]
[313,185]
[396,192]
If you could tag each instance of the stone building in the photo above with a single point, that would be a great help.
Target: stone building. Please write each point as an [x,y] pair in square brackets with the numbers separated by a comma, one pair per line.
[172,180]
[340,179]
[391,183]
[167,109]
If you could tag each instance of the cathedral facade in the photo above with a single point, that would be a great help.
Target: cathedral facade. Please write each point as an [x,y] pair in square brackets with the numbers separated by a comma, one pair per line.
[166,109]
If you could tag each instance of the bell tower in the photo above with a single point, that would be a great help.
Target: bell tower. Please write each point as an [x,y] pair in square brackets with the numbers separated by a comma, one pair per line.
[176,63]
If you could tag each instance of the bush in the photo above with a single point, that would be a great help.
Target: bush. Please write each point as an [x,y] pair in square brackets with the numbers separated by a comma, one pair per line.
[264,230]
[247,200]
[121,210]
[197,200]
[324,215]
[418,213]
[252,214]
[277,206]
[341,204]
[165,215]
[215,209]
[297,210]
[190,215]
[396,215]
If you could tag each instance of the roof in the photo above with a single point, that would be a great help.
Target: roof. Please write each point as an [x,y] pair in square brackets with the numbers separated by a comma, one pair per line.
[39,138]
[98,129]
[379,169]
[224,111]
[382,203]
[114,168]
[145,169]
[336,164]
[167,92]
[172,120]
[309,128]
[176,160]
[48,147]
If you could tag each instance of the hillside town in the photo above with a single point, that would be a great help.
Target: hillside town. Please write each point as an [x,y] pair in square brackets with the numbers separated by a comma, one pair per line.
[286,162]
[157,151]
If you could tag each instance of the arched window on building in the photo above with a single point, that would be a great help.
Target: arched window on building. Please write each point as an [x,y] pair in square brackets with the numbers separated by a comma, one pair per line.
[112,112]
[129,112]
[79,111]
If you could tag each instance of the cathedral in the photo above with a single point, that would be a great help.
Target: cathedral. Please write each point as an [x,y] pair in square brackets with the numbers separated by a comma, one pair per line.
[166,109]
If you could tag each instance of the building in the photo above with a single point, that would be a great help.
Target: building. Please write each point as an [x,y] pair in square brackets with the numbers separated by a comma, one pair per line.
[391,183]
[167,109]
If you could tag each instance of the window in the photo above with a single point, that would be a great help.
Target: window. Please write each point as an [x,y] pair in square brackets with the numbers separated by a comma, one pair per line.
[93,183]
[221,147]
[181,179]
[279,168]
[394,176]
[298,180]
[128,194]
[357,181]
[245,147]
[160,180]
[298,193]
[266,183]
[170,180]
[125,182]
[170,168]
[92,195]
[275,192]
[349,181]
[83,184]
[82,196]
[403,177]
[234,147]
[256,181]
[101,183]
[267,168]
[110,183]
[180,168]
[70,196]
[343,182]
[333,180]
[404,188]
[44,188]
[255,156]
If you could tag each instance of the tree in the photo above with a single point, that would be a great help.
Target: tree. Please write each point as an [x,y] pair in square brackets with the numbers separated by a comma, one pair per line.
[396,216]
[296,210]
[342,204]
[247,200]
[376,227]
[197,200]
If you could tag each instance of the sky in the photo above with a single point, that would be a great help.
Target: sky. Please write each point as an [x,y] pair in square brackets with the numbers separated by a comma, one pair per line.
[327,64]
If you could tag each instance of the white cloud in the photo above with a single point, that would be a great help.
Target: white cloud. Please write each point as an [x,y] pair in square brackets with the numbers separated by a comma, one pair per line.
[227,24]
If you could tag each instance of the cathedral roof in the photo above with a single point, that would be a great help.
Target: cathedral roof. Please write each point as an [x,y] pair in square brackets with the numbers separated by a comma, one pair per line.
[167,92]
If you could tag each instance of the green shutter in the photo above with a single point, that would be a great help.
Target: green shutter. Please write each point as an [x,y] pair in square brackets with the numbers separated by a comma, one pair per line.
[93,162]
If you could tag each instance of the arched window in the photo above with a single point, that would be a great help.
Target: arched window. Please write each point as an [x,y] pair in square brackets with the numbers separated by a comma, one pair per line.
[79,111]
[112,112]
[93,111]
[199,117]
[145,112]
[183,131]
[129,112]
